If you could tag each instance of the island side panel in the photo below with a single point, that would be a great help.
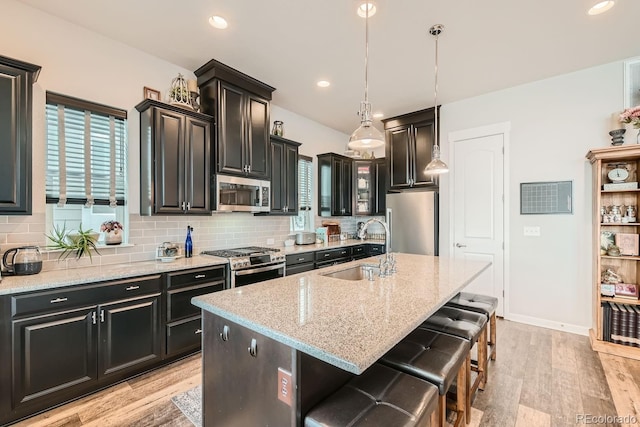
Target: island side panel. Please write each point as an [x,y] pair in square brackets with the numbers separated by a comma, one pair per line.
[238,388]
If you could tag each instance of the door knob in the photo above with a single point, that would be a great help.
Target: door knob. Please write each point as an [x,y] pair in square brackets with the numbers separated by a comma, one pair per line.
[460,245]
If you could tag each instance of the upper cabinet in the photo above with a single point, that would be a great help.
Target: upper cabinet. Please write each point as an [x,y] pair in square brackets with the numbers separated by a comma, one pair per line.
[175,153]
[284,176]
[240,105]
[408,149]
[16,81]
[335,185]
[370,186]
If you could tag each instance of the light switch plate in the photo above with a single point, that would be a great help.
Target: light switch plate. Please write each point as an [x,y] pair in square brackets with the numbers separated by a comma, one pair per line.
[285,386]
[532,231]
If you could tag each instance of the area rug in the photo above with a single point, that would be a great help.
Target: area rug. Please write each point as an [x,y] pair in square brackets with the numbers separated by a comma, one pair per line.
[190,403]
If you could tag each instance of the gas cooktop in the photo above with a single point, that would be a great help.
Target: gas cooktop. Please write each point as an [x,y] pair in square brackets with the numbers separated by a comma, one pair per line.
[241,252]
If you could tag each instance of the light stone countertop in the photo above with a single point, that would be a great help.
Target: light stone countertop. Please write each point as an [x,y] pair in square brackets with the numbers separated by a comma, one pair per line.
[76,276]
[349,324]
[297,249]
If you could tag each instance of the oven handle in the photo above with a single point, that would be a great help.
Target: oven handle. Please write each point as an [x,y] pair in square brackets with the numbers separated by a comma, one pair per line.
[259,269]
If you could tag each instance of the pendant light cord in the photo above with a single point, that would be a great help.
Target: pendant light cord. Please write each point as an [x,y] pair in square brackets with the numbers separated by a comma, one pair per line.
[366,55]
[435,31]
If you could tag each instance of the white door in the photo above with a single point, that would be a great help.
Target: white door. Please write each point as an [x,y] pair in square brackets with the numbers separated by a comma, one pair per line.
[478,205]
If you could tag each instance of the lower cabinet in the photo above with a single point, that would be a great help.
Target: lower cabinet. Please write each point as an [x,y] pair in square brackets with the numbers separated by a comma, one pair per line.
[329,257]
[183,319]
[70,341]
[299,263]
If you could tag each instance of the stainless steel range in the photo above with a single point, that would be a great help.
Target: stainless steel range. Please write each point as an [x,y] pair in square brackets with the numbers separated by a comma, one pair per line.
[252,264]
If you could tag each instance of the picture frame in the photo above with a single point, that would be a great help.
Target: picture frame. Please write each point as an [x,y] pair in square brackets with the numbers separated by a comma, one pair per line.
[150,93]
[628,243]
[632,82]
[627,290]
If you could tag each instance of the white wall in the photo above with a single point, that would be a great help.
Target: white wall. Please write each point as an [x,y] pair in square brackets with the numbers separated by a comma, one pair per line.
[554,122]
[83,64]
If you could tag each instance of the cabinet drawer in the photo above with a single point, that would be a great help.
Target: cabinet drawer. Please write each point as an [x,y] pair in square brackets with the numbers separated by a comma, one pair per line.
[195,276]
[64,298]
[184,335]
[359,250]
[299,268]
[376,249]
[294,259]
[332,262]
[333,254]
[179,300]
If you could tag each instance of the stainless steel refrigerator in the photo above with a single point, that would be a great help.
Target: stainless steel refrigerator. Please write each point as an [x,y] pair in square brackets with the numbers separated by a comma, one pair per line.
[413,220]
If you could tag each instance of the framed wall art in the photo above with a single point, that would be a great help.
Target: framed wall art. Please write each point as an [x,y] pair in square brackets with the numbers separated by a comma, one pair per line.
[632,82]
[151,93]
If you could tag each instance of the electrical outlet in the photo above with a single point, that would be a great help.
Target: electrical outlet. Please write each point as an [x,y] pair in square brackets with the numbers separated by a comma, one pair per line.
[284,386]
[532,231]
[270,241]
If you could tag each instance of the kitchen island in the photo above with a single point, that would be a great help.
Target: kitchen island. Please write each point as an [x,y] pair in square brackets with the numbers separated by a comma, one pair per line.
[274,349]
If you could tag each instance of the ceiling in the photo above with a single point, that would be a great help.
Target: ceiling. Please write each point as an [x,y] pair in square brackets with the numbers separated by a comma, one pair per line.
[290,44]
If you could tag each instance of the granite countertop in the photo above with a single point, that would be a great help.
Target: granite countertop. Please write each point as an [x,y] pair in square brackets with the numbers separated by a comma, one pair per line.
[76,276]
[296,249]
[349,324]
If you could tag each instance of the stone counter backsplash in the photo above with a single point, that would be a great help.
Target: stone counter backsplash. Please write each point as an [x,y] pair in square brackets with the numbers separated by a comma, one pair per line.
[146,233]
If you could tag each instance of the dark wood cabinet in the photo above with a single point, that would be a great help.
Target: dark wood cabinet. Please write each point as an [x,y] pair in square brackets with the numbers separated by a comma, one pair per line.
[70,341]
[335,185]
[175,155]
[241,106]
[408,150]
[16,90]
[129,335]
[284,176]
[370,186]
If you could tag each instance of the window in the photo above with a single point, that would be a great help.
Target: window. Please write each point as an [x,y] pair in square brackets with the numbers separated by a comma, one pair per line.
[304,220]
[86,163]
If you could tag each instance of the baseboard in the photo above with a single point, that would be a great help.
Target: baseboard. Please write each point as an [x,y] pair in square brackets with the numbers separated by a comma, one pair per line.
[549,324]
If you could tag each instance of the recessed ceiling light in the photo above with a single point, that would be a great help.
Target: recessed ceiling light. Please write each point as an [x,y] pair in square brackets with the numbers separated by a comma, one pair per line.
[362,9]
[601,7]
[378,115]
[323,83]
[218,22]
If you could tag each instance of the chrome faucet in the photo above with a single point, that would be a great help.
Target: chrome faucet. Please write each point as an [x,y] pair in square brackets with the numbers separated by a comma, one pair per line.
[387,237]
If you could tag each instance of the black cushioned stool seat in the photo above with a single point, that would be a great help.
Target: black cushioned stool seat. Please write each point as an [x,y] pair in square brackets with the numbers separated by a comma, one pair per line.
[434,357]
[479,303]
[472,327]
[381,396]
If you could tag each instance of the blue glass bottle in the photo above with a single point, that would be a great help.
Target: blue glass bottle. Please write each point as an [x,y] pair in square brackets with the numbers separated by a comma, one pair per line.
[188,244]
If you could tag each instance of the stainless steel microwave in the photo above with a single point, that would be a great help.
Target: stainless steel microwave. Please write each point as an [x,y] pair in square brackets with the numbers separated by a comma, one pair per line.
[236,194]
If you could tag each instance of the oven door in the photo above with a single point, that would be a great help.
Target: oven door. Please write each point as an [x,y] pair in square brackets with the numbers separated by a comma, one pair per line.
[257,274]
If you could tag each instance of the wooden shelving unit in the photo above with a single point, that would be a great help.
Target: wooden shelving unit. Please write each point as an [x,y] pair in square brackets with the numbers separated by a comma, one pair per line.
[626,266]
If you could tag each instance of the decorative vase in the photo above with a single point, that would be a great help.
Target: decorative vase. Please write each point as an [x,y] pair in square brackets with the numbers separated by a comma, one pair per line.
[113,237]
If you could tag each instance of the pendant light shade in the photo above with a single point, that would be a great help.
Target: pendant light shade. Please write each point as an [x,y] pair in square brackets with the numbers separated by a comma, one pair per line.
[436,166]
[366,137]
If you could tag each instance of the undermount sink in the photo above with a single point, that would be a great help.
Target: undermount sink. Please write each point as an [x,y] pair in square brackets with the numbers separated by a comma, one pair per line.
[359,272]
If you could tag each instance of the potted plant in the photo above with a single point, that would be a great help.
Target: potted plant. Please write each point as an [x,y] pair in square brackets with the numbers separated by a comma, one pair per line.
[81,242]
[112,232]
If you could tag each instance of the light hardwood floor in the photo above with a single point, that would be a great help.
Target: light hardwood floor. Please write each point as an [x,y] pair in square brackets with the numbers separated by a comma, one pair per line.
[541,378]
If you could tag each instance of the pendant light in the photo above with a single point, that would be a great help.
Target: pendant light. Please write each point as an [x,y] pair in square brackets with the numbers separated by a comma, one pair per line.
[366,137]
[436,166]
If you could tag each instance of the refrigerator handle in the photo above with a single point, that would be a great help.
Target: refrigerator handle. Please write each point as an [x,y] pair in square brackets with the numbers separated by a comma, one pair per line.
[388,219]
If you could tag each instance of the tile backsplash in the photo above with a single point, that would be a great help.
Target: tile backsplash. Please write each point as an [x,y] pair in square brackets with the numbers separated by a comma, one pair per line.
[146,233]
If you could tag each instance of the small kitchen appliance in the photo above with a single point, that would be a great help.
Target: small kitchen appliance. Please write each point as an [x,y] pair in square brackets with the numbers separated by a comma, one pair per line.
[305,238]
[251,264]
[22,261]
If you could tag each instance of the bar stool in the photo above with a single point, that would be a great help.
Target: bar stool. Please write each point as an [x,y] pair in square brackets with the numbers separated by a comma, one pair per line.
[480,304]
[471,327]
[381,396]
[437,358]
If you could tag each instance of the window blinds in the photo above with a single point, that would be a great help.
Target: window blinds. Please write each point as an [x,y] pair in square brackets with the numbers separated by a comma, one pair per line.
[305,183]
[86,152]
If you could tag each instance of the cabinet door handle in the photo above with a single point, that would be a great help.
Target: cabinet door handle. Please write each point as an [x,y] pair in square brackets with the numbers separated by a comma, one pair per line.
[326,255]
[102,316]
[199,276]
[224,335]
[183,206]
[198,331]
[253,348]
[300,259]
[93,317]
[132,288]
[249,168]
[188,206]
[57,300]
